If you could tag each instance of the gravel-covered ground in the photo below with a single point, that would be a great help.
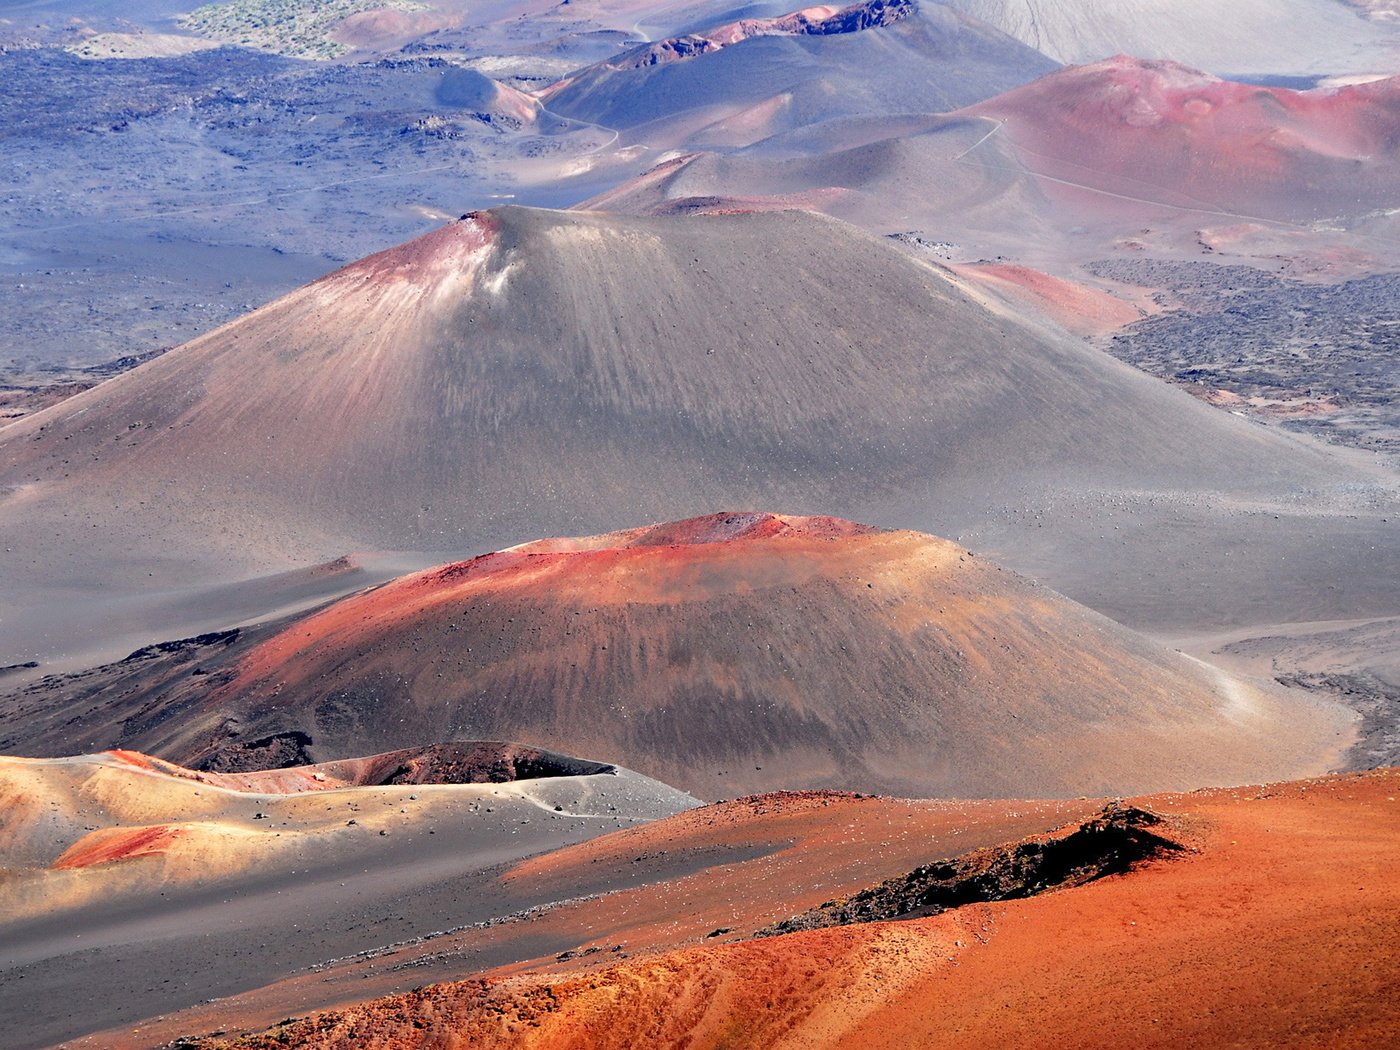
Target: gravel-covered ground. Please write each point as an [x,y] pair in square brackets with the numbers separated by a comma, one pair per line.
[145,201]
[1322,358]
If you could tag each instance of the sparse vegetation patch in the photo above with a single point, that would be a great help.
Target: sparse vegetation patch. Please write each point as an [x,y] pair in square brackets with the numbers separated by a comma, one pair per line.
[296,28]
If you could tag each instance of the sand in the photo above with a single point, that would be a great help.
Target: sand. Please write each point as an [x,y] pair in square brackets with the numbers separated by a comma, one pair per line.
[1274,927]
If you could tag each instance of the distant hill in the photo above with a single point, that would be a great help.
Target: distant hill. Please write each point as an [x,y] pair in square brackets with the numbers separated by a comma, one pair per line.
[738,82]
[1160,132]
[1289,37]
[1109,148]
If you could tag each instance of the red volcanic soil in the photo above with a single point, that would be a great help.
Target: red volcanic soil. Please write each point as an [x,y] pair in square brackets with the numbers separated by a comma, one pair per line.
[1161,132]
[1077,307]
[447,253]
[1274,926]
[734,867]
[114,844]
[712,528]
[769,856]
[751,651]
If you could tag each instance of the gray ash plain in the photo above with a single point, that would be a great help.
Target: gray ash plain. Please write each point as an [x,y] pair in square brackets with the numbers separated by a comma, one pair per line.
[149,200]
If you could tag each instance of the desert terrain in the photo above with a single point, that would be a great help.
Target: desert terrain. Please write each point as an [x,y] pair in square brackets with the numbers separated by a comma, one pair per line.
[1170,918]
[659,522]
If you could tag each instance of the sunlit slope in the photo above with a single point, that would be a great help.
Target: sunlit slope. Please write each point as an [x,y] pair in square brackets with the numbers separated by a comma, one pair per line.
[740,652]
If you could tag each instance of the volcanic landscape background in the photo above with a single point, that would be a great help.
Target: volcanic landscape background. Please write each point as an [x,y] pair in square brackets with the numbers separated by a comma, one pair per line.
[640,523]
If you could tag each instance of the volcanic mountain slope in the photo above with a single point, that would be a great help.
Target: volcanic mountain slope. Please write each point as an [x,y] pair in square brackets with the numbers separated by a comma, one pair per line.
[1287,37]
[1164,133]
[739,82]
[524,372]
[492,102]
[1268,913]
[119,856]
[885,174]
[732,652]
[1070,163]
[1080,308]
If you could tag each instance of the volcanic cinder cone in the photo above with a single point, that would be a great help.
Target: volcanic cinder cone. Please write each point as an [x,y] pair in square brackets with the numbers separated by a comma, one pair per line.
[740,652]
[741,82]
[1114,147]
[1135,132]
[525,373]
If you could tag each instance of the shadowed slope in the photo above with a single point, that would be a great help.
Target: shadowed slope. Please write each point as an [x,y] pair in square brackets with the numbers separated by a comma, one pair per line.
[470,762]
[738,652]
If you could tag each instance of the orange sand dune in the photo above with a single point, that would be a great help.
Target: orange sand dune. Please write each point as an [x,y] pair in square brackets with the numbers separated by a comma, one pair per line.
[712,876]
[737,866]
[1275,926]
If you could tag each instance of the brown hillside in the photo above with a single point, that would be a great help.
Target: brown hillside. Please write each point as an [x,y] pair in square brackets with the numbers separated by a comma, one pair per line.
[735,652]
